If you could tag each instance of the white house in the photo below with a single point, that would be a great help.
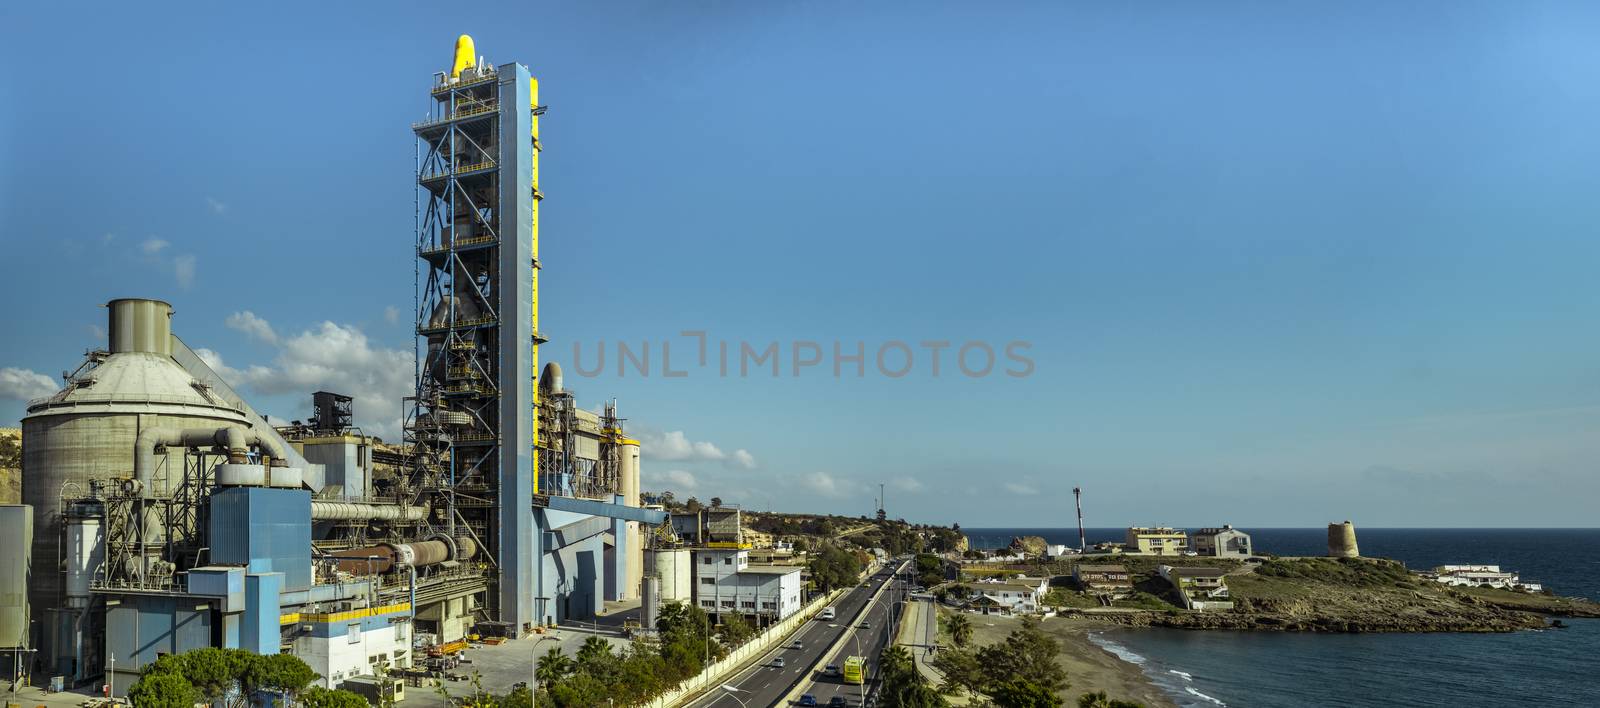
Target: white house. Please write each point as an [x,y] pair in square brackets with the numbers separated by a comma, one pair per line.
[1020,596]
[1481,575]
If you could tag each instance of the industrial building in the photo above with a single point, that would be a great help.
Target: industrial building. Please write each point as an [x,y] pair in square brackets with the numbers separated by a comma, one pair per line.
[165,514]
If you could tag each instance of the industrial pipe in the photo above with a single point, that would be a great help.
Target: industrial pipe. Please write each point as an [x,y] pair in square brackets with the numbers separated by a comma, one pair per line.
[236,441]
[358,511]
[385,557]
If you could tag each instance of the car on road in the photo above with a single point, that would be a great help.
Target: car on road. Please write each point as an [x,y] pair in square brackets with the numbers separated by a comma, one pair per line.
[838,702]
[827,613]
[777,663]
[830,670]
[808,700]
[796,645]
[866,625]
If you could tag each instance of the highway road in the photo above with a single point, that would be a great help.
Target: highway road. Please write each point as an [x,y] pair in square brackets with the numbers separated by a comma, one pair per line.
[765,684]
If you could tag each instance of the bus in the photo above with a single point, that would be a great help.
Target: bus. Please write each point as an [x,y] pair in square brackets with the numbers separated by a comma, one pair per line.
[854,669]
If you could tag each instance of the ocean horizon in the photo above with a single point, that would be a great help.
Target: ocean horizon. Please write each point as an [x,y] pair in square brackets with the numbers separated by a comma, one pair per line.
[1210,668]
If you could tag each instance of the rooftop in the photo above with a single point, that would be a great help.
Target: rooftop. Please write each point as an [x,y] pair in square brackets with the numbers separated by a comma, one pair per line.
[1102,568]
[1196,572]
[772,569]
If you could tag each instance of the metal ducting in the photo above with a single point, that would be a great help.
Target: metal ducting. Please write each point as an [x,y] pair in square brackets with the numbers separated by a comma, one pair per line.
[358,511]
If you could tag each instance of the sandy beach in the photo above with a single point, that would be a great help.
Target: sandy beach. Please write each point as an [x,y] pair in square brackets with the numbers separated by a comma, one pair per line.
[1089,667]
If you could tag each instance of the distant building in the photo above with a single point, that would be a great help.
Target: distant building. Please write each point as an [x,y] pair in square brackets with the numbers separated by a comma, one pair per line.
[1057,550]
[1199,588]
[1156,541]
[1226,542]
[1103,579]
[1482,575]
[726,584]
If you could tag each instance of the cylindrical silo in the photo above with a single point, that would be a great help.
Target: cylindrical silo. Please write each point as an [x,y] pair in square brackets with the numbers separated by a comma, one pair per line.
[628,450]
[16,523]
[87,431]
[1342,541]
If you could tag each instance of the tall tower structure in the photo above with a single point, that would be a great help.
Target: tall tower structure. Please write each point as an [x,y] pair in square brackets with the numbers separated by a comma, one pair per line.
[472,422]
[1077,499]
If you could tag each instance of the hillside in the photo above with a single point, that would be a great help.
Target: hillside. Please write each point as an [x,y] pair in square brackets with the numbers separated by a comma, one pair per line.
[10,466]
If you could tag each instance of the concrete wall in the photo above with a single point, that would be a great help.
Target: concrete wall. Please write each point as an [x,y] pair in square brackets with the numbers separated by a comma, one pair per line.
[714,674]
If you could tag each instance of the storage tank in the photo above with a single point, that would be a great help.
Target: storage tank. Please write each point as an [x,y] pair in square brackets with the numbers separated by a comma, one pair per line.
[87,430]
[1342,541]
[628,450]
[16,525]
[85,551]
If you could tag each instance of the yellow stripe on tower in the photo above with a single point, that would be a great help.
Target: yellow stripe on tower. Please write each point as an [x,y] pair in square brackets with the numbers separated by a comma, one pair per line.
[533,310]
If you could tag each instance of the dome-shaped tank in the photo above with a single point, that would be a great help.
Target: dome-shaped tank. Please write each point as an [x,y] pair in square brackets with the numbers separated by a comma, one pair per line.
[1342,541]
[86,431]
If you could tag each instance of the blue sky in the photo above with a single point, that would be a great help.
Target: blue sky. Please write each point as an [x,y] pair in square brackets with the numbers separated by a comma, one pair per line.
[1276,264]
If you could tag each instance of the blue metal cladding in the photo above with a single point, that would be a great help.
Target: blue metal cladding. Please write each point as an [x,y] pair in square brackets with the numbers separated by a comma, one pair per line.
[267,530]
[261,613]
[515,293]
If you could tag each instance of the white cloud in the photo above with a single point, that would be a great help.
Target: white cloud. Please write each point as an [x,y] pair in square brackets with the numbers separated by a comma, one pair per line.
[152,246]
[824,484]
[674,446]
[906,484]
[391,314]
[217,207]
[329,357]
[99,334]
[25,384]
[249,323]
[675,480]
[743,458]
[1021,490]
[183,268]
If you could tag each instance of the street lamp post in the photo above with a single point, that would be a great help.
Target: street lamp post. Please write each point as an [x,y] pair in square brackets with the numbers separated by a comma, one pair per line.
[733,692]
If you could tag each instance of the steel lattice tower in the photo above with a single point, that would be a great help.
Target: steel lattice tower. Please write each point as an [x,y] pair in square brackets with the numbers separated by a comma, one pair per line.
[477,246]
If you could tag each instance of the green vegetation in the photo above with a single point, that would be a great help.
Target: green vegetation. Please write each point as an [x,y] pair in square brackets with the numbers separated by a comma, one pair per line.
[1020,670]
[960,630]
[929,570]
[903,685]
[1141,600]
[1100,700]
[1358,572]
[833,567]
[319,697]
[1062,598]
[211,674]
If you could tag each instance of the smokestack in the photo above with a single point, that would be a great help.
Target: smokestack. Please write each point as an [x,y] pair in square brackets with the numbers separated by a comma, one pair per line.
[1077,498]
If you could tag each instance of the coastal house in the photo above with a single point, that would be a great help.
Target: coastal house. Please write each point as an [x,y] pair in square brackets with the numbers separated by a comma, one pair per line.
[1225,542]
[1481,576]
[1199,588]
[1103,579]
[1021,596]
[1156,541]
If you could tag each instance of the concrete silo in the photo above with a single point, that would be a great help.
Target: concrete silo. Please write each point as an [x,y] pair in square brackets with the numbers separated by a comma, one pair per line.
[86,431]
[1342,541]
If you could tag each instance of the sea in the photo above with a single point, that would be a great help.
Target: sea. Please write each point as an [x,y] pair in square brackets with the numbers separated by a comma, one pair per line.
[1553,667]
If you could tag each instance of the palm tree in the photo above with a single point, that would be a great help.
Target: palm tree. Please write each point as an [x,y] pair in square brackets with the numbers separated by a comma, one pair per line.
[553,667]
[960,630]
[593,649]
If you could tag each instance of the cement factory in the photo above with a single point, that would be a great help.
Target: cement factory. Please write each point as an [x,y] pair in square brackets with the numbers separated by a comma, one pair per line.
[162,513]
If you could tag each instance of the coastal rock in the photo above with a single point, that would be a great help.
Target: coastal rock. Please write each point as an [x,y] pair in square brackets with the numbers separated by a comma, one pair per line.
[1031,545]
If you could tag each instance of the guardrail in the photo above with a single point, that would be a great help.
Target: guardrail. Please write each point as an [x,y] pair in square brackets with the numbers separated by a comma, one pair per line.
[838,644]
[736,660]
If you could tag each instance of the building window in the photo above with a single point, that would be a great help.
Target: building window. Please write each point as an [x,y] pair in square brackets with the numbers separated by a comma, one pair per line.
[354,632]
[708,604]
[728,604]
[727,561]
[708,560]
[748,605]
[708,581]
